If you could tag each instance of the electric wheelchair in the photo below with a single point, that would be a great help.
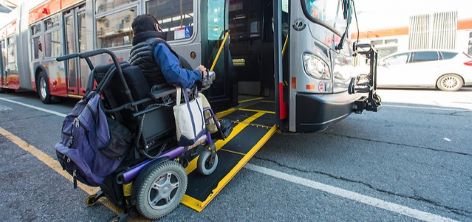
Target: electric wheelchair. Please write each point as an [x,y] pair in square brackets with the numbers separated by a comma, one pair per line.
[152,176]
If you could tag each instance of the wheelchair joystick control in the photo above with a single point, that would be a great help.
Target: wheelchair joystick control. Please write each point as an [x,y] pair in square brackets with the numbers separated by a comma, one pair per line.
[208,80]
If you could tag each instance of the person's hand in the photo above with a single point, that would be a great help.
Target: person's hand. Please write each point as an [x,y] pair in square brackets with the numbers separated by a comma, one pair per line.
[203,71]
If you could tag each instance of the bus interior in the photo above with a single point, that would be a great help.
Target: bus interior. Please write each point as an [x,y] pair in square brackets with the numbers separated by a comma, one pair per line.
[252,52]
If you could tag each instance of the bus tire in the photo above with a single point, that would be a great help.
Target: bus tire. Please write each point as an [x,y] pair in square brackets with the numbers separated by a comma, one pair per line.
[43,88]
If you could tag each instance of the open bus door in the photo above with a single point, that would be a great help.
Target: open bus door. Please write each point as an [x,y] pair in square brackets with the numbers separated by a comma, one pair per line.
[247,64]
[252,126]
[223,93]
[281,65]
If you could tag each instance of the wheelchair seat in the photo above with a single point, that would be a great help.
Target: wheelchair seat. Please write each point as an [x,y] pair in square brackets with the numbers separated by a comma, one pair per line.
[149,110]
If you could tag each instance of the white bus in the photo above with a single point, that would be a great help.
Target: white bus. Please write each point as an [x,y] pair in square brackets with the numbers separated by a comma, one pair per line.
[292,59]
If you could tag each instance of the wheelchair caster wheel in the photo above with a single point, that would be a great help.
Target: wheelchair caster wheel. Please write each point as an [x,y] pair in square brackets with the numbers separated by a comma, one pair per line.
[207,162]
[91,200]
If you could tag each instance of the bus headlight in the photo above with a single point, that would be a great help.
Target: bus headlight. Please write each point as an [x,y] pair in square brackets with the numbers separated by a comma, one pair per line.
[316,67]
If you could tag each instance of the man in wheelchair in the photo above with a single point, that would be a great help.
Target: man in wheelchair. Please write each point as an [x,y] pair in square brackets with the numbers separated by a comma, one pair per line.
[138,162]
[161,65]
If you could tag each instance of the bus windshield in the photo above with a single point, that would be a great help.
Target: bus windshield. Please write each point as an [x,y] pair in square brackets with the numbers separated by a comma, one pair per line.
[326,12]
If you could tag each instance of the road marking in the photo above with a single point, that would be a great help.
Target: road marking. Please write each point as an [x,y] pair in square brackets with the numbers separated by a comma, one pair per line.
[53,164]
[400,209]
[431,108]
[34,107]
[404,210]
[447,139]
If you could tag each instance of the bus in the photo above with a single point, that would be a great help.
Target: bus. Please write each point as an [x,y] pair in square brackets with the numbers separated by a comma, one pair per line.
[293,59]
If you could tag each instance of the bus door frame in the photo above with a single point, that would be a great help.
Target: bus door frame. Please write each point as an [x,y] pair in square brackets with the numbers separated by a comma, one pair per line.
[74,15]
[281,103]
[2,67]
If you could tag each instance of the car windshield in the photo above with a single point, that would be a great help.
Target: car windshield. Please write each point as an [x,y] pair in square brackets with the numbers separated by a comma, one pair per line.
[327,12]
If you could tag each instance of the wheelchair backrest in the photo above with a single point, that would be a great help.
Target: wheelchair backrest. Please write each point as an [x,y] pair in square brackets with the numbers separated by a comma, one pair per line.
[115,93]
[157,123]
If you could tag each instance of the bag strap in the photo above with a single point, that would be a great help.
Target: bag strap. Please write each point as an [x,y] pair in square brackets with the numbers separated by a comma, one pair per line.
[178,95]
[190,112]
[178,98]
[200,109]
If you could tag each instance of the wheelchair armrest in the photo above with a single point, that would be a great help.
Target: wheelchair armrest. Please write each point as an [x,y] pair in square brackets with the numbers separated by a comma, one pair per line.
[161,91]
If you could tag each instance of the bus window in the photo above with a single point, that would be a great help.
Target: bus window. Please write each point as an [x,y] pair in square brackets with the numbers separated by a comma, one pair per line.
[82,31]
[175,17]
[11,57]
[36,44]
[114,30]
[216,17]
[4,54]
[52,38]
[326,12]
[107,5]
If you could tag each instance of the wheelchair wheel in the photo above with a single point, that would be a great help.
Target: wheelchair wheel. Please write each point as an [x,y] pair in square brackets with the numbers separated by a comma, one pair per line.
[159,188]
[207,162]
[91,200]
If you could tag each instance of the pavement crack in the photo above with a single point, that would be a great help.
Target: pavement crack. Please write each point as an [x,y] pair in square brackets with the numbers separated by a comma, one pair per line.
[399,144]
[456,113]
[415,197]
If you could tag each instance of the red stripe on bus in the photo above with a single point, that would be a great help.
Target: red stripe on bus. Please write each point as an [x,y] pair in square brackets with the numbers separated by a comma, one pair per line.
[282,105]
[50,7]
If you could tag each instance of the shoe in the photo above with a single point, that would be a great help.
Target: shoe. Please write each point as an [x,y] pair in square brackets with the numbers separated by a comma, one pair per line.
[225,129]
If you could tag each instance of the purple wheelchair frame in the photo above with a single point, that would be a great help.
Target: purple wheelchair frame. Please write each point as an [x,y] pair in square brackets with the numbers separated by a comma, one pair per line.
[132,173]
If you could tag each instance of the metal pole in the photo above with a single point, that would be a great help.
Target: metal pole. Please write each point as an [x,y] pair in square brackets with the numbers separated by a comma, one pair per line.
[278,71]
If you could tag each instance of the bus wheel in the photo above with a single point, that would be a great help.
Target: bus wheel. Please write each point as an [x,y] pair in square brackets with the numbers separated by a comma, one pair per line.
[43,88]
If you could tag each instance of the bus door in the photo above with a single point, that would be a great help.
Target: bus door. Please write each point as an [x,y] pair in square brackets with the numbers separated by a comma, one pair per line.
[73,20]
[2,64]
[223,93]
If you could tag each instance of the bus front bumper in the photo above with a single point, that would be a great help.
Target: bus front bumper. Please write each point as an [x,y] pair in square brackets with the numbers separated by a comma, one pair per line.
[316,112]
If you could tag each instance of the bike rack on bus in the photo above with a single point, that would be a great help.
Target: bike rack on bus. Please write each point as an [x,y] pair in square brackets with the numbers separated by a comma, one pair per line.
[372,102]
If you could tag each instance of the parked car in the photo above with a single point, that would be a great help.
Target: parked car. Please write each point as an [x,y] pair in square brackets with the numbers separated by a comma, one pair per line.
[445,70]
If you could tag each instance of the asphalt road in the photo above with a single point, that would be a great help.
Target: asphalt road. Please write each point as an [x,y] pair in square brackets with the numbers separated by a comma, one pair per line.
[410,161]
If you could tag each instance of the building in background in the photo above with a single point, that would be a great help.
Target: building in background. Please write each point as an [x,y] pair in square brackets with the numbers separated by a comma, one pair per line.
[7,6]
[436,30]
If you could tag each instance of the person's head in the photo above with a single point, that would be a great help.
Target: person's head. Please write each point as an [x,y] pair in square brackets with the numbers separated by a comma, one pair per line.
[145,23]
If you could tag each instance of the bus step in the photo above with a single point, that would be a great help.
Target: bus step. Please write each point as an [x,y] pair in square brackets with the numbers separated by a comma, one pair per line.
[234,152]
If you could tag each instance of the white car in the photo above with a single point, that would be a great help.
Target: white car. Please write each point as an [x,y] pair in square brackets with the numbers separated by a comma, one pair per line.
[445,70]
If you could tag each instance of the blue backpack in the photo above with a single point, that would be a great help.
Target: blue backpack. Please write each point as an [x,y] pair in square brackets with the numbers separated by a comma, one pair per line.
[85,134]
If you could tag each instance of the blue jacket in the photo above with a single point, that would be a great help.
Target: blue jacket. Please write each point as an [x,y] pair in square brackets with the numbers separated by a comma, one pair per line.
[171,69]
